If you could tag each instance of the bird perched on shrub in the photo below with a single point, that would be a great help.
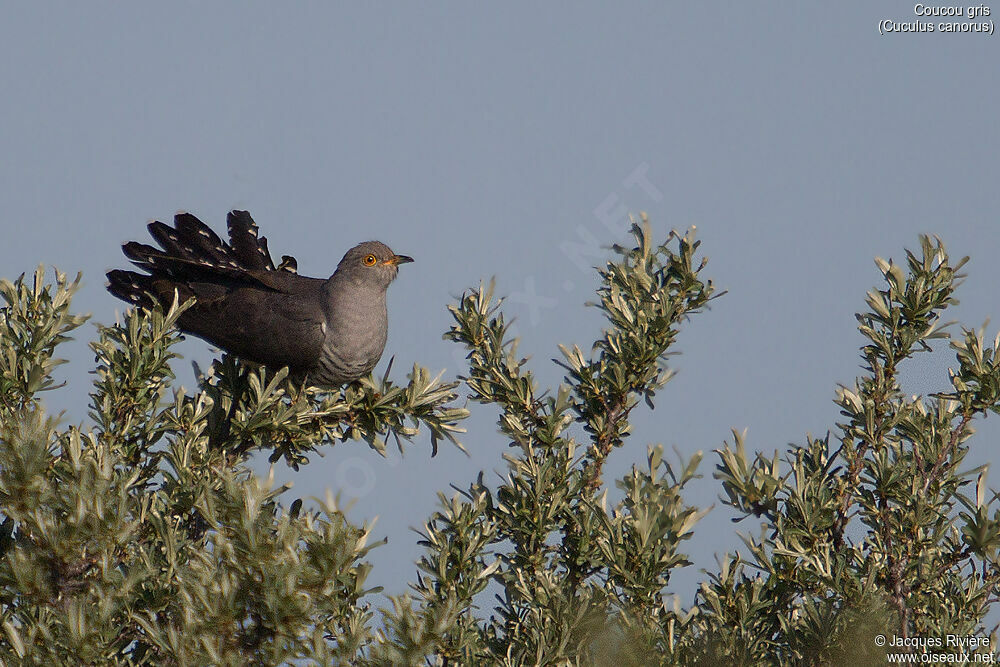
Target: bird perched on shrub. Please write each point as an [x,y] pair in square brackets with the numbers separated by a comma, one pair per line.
[330,331]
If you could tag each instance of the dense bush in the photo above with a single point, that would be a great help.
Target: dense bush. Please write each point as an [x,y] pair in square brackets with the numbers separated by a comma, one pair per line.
[144,537]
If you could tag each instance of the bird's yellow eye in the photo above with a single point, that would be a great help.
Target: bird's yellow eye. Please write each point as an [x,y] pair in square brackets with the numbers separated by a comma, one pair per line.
[369,260]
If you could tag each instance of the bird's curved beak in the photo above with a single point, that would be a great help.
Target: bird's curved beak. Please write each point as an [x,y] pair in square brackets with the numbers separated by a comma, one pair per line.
[396,260]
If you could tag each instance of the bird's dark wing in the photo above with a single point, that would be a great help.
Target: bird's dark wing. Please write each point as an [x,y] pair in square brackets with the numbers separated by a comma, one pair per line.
[242,303]
[275,327]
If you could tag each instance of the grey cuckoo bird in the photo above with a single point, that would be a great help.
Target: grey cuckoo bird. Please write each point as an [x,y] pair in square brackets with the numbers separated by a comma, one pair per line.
[330,331]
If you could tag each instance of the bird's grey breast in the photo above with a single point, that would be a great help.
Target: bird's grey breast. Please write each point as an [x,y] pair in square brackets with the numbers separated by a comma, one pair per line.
[355,332]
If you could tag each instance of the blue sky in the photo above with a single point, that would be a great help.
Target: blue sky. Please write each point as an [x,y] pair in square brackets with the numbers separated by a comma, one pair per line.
[484,141]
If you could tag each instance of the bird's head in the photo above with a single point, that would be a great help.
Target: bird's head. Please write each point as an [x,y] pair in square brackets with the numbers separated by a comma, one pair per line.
[372,263]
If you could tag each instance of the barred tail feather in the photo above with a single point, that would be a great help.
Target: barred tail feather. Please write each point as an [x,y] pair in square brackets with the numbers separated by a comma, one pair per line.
[132,287]
[247,248]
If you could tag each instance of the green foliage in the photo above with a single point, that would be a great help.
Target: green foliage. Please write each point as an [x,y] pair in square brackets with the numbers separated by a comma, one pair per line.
[33,323]
[143,537]
[866,533]
[577,579]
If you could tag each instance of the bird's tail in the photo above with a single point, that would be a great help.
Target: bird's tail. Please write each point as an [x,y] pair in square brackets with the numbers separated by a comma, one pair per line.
[132,287]
[248,249]
[190,251]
